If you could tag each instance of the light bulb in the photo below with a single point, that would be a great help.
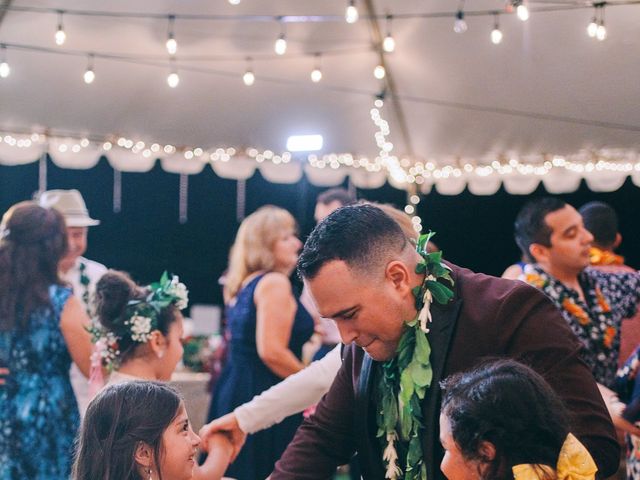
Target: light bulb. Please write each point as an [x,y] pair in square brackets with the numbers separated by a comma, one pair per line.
[379,72]
[248,78]
[523,12]
[234,2]
[280,46]
[172,45]
[316,75]
[460,26]
[5,70]
[496,35]
[388,44]
[351,14]
[592,29]
[60,35]
[601,33]
[89,76]
[173,80]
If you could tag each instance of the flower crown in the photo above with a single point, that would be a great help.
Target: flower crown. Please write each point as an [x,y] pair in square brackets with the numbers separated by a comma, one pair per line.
[141,319]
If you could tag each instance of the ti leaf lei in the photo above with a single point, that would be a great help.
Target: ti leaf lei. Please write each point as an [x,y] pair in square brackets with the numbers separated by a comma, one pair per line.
[405,378]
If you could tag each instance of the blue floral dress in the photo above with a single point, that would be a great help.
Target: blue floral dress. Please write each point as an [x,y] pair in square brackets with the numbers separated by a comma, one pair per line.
[38,411]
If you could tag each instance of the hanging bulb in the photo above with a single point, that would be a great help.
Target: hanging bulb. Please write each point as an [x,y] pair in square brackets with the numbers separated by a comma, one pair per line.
[496,33]
[173,79]
[248,78]
[172,44]
[234,2]
[388,44]
[522,11]
[592,29]
[60,36]
[89,75]
[460,26]
[316,73]
[601,32]
[351,14]
[5,70]
[280,46]
[379,72]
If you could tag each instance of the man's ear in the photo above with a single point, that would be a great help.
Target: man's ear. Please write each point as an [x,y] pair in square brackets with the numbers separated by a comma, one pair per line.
[158,343]
[143,455]
[617,241]
[399,274]
[487,451]
[539,252]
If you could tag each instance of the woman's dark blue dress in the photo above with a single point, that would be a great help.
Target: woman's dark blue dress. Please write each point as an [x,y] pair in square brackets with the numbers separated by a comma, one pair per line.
[38,410]
[245,375]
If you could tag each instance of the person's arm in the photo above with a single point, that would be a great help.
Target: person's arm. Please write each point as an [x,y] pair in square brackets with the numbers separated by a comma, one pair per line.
[73,323]
[219,451]
[327,438]
[616,408]
[291,396]
[540,337]
[276,309]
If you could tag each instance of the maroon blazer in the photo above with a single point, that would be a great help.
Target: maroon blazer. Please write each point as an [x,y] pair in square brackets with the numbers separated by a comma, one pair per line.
[488,317]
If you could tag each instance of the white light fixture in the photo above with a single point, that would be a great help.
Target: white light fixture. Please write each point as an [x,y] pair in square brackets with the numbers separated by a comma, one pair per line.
[496,33]
[234,2]
[379,72]
[592,29]
[248,78]
[351,13]
[89,75]
[304,143]
[173,79]
[60,36]
[601,32]
[5,70]
[459,26]
[388,44]
[172,44]
[522,11]
[316,73]
[280,47]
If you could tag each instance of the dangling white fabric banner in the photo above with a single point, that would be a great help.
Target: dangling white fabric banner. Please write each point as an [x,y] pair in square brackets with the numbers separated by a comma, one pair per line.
[11,155]
[127,161]
[290,172]
[363,179]
[66,153]
[177,163]
[240,168]
[518,184]
[324,177]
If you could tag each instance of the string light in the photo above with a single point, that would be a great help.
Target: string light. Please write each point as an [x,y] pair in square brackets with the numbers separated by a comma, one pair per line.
[592,29]
[316,73]
[172,44]
[280,47]
[60,36]
[460,25]
[351,13]
[522,11]
[5,70]
[234,2]
[248,78]
[173,79]
[496,33]
[379,72]
[389,44]
[601,32]
[89,75]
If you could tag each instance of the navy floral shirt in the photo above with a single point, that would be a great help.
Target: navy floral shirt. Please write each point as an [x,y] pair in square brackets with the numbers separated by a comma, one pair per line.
[596,320]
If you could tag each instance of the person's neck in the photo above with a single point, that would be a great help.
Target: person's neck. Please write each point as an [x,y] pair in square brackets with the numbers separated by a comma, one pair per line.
[140,368]
[66,264]
[569,279]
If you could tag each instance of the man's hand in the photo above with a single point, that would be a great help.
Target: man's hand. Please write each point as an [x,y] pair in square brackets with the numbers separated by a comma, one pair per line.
[226,424]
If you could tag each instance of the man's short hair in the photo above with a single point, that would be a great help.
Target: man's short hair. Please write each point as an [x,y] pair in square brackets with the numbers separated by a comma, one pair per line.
[602,221]
[530,226]
[336,194]
[362,236]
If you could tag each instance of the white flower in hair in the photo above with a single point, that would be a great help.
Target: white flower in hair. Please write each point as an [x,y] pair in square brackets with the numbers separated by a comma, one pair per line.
[140,328]
[179,290]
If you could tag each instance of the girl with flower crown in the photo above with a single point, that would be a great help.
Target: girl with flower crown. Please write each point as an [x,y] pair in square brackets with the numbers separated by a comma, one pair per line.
[502,421]
[138,337]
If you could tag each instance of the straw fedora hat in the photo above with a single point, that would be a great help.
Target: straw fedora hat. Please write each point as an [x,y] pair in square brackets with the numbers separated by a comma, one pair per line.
[71,204]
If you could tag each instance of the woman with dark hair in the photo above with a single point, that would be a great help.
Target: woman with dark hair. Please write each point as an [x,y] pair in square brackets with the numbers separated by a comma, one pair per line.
[136,431]
[138,337]
[42,328]
[503,421]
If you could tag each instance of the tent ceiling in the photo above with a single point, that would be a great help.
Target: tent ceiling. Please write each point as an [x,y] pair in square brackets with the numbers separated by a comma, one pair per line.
[547,88]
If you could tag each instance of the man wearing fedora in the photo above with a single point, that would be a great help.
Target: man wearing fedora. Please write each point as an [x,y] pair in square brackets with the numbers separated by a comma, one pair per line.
[80,272]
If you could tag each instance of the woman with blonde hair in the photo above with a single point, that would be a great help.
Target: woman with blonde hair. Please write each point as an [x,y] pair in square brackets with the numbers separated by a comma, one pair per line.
[268,327]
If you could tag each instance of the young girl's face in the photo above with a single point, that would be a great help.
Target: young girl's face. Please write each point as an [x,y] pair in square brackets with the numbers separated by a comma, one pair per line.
[179,448]
[454,465]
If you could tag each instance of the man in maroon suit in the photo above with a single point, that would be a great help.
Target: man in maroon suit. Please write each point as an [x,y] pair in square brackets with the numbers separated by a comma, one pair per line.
[361,272]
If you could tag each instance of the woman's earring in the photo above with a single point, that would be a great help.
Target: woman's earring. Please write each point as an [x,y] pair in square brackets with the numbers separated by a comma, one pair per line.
[149,472]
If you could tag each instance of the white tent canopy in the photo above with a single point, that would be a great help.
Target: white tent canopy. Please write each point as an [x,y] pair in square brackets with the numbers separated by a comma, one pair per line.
[547,104]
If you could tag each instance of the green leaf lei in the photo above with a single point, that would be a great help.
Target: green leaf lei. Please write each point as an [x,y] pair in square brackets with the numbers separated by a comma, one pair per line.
[407,376]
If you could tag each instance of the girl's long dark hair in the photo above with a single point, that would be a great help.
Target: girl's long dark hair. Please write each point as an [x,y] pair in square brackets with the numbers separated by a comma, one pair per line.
[117,420]
[32,242]
[510,406]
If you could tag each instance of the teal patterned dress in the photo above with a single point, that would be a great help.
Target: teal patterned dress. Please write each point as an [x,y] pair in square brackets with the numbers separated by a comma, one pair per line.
[38,412]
